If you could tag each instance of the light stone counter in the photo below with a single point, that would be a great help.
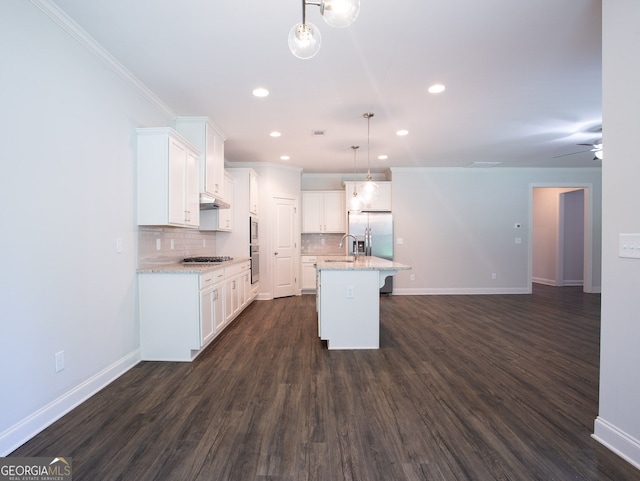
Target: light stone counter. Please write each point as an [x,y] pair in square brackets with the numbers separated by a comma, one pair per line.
[180,268]
[362,263]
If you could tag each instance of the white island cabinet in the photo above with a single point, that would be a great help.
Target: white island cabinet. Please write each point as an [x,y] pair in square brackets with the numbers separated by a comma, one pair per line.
[349,300]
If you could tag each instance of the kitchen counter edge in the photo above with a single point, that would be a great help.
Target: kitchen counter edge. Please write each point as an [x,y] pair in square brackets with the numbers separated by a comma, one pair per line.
[364,263]
[180,268]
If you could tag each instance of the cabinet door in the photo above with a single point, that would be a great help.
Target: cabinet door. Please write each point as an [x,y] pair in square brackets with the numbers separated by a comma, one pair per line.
[219,320]
[231,298]
[216,163]
[177,174]
[383,200]
[225,219]
[312,206]
[192,190]
[308,275]
[253,193]
[334,209]
[207,318]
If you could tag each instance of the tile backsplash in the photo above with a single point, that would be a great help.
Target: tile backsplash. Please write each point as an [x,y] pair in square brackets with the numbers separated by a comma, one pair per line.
[321,244]
[186,243]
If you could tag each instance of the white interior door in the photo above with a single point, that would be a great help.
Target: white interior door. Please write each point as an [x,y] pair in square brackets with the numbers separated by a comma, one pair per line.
[285,247]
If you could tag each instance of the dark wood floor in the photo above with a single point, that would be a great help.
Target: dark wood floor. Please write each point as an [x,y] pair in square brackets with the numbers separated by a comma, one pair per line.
[501,387]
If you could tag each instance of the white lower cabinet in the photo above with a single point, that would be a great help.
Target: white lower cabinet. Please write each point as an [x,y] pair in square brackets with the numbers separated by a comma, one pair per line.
[308,273]
[182,312]
[237,289]
[308,268]
[212,318]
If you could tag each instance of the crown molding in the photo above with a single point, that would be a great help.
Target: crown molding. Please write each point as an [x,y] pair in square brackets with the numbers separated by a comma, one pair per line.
[83,38]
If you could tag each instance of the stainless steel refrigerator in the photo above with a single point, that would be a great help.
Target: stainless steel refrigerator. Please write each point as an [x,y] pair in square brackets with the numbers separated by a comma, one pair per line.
[374,234]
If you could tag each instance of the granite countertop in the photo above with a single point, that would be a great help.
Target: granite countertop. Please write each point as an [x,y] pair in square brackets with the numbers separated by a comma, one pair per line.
[363,263]
[180,268]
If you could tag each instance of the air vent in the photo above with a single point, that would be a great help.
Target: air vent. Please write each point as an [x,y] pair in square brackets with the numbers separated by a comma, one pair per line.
[318,133]
[483,165]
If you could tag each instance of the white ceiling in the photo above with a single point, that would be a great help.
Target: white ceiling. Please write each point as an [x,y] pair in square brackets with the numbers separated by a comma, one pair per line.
[523,77]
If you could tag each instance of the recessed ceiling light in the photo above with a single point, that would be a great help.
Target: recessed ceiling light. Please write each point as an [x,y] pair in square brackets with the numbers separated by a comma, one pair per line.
[436,88]
[284,157]
[383,157]
[402,132]
[275,134]
[260,92]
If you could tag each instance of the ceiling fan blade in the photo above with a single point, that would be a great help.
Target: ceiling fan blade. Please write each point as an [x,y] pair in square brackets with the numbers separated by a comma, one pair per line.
[572,153]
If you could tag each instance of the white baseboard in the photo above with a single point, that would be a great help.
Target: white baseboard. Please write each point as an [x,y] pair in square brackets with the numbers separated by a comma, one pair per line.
[458,291]
[20,433]
[546,282]
[624,445]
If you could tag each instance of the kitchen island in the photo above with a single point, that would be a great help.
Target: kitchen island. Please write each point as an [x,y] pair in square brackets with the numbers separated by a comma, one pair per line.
[348,301]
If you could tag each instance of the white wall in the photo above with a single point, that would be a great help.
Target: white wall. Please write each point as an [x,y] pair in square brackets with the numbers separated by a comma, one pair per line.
[618,422]
[67,188]
[458,227]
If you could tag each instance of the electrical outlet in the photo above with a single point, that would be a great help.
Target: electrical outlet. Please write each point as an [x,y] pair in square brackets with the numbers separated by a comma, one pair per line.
[158,244]
[59,361]
[412,277]
[204,242]
[173,244]
[494,276]
[119,245]
[350,292]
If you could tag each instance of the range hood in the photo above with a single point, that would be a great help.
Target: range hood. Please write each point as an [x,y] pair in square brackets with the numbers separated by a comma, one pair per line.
[207,202]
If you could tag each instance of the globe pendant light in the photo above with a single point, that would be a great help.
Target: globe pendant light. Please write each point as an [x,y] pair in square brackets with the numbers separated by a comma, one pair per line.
[355,206]
[305,39]
[340,13]
[369,189]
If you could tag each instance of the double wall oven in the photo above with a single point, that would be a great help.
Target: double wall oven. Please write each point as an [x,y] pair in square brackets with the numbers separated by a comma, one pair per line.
[254,250]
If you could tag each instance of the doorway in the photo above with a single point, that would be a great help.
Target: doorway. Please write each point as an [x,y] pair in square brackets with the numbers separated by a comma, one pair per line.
[560,247]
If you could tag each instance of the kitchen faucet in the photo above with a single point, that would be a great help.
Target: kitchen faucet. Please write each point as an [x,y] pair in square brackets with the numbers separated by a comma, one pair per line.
[355,247]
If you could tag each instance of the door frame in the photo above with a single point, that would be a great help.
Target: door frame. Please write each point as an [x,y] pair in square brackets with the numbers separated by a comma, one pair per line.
[588,230]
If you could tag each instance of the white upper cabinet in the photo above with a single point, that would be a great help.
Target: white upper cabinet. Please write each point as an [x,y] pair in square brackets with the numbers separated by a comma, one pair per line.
[323,212]
[168,179]
[202,133]
[220,219]
[380,203]
[253,193]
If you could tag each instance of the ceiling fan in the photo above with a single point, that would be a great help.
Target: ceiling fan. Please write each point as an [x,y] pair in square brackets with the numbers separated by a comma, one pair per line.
[596,148]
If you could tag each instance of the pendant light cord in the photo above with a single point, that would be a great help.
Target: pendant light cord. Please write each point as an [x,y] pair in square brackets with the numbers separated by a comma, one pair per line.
[368,117]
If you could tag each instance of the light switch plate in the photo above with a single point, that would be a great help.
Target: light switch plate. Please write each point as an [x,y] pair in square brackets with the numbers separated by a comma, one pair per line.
[629,246]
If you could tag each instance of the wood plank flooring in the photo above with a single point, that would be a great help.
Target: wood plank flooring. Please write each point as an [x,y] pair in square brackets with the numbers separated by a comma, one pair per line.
[500,387]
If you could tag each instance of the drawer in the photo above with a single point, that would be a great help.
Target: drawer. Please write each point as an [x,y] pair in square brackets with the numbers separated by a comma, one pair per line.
[210,278]
[236,269]
[308,259]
